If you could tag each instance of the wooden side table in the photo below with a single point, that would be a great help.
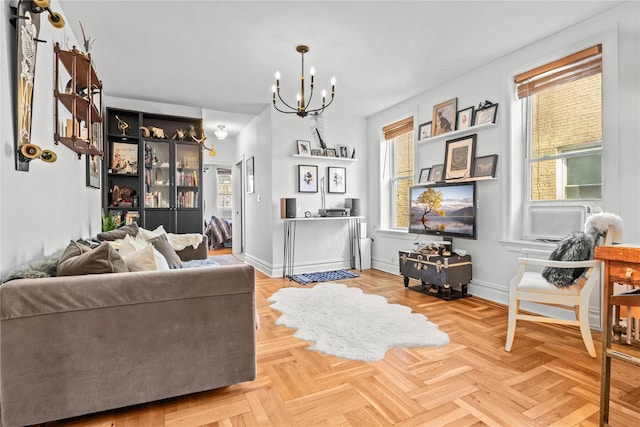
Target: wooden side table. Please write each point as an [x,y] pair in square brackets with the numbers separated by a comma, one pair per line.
[621,265]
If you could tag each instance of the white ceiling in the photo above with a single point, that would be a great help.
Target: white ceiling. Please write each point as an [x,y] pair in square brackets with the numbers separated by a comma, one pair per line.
[222,55]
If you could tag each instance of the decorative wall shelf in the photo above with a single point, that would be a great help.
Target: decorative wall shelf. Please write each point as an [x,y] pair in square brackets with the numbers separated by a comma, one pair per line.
[455,133]
[339,159]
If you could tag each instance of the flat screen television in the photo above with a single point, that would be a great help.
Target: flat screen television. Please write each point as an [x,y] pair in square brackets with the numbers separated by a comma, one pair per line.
[443,209]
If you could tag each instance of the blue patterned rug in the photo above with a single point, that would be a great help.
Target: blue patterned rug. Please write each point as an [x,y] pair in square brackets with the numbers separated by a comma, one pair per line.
[324,276]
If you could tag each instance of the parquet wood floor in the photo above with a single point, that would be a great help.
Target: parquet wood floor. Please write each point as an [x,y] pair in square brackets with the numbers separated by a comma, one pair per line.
[547,380]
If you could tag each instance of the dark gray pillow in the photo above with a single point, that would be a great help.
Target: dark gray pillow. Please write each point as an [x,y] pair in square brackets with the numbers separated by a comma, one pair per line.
[103,259]
[162,245]
[119,233]
[576,246]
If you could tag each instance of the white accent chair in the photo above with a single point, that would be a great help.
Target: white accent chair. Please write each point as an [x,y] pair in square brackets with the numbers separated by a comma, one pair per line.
[531,286]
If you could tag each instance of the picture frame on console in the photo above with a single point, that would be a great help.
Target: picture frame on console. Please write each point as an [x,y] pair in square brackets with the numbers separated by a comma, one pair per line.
[444,117]
[464,119]
[485,166]
[458,157]
[424,175]
[307,179]
[337,180]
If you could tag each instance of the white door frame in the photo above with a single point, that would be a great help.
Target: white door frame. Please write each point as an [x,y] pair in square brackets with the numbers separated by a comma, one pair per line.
[238,190]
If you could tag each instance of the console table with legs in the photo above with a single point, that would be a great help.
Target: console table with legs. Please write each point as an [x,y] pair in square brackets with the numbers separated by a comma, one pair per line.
[290,239]
[621,266]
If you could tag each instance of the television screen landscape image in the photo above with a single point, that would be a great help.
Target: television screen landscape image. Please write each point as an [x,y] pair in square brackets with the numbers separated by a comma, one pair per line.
[443,210]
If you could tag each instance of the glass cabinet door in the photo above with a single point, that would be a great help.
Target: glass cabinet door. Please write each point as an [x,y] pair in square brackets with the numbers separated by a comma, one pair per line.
[187,175]
[157,174]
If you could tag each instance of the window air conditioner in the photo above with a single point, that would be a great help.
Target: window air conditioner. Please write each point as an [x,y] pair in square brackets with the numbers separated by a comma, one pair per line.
[554,222]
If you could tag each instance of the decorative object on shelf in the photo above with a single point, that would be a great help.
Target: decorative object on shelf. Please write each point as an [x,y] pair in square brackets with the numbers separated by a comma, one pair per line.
[304,147]
[424,175]
[337,180]
[485,166]
[302,108]
[307,214]
[486,114]
[27,23]
[464,118]
[153,132]
[436,173]
[123,126]
[250,175]
[180,134]
[331,152]
[444,117]
[317,129]
[343,151]
[424,130]
[93,171]
[307,179]
[316,152]
[220,133]
[86,41]
[458,157]
[124,158]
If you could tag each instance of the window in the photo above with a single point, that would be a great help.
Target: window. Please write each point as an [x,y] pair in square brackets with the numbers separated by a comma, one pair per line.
[224,188]
[399,137]
[563,117]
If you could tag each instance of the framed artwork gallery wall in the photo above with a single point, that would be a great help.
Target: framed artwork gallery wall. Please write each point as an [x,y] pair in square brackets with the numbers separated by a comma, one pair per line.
[152,170]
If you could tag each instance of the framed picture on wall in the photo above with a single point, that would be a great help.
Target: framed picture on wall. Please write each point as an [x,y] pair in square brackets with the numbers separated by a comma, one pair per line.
[424,131]
[458,157]
[485,166]
[436,173]
[337,180]
[250,176]
[331,152]
[465,118]
[304,147]
[93,171]
[307,179]
[486,115]
[444,117]
[343,151]
[424,175]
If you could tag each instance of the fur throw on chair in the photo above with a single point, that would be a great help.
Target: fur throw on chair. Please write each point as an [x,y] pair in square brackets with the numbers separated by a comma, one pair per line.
[579,246]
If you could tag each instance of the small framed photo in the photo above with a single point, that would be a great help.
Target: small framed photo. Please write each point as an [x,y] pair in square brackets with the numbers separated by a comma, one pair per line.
[485,166]
[316,152]
[486,115]
[331,152]
[337,180]
[93,171]
[424,175]
[250,176]
[424,131]
[444,117]
[343,151]
[304,147]
[307,179]
[436,173]
[124,158]
[458,157]
[465,118]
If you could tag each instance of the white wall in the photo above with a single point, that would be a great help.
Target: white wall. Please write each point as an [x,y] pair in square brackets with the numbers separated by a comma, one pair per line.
[40,210]
[493,257]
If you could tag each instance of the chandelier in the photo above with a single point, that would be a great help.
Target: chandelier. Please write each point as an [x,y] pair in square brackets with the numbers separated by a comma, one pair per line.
[220,132]
[302,109]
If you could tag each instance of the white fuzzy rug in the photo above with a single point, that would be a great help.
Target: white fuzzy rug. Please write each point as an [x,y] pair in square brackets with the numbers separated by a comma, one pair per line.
[345,322]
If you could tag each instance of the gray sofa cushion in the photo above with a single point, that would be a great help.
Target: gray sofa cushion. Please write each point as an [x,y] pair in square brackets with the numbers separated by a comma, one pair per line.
[103,259]
[162,245]
[119,233]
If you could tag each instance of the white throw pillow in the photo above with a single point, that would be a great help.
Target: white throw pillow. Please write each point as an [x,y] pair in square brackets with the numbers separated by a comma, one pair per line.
[146,259]
[131,245]
[148,235]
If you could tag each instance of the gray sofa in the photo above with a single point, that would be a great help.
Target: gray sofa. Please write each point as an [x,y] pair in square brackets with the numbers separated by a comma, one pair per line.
[76,345]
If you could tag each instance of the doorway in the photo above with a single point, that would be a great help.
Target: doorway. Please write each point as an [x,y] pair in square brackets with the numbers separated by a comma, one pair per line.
[237,180]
